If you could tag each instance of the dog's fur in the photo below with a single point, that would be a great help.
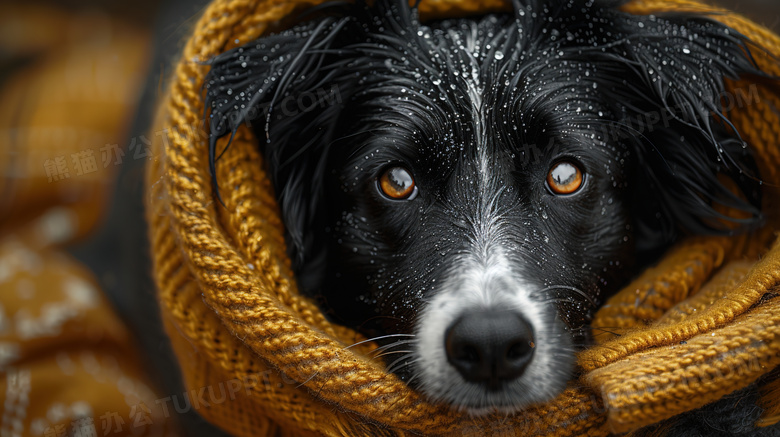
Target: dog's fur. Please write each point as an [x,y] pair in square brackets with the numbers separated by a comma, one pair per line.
[478,110]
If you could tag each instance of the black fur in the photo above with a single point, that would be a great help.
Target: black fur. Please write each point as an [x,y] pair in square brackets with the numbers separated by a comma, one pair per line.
[559,79]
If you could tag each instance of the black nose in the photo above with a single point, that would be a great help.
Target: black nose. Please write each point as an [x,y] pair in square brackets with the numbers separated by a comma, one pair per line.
[490,347]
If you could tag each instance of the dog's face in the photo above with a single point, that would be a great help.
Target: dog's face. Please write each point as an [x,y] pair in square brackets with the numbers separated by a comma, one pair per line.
[476,207]
[476,187]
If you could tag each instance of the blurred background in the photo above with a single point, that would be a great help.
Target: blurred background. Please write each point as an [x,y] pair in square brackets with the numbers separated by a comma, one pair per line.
[78,82]
[72,76]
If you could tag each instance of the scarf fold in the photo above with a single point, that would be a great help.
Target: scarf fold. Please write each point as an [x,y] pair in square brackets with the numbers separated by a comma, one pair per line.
[703,323]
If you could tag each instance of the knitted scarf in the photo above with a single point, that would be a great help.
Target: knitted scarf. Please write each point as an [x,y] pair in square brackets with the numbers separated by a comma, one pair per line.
[703,323]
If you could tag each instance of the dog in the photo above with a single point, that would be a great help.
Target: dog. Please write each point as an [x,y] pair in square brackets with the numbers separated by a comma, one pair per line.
[474,188]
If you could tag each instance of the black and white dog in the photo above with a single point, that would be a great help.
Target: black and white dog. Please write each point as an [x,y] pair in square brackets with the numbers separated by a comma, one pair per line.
[476,187]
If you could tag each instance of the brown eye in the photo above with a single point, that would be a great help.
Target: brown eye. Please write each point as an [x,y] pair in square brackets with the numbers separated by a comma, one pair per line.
[564,178]
[397,183]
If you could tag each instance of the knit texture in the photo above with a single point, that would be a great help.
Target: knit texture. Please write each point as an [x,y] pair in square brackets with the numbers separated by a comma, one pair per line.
[699,325]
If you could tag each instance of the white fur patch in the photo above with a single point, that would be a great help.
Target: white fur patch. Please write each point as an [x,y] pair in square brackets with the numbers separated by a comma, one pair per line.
[491,286]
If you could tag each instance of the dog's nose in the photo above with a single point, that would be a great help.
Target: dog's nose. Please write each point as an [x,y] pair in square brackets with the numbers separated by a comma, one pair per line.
[490,347]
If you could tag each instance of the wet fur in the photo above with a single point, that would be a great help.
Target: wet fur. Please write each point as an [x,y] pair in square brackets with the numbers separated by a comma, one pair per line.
[480,109]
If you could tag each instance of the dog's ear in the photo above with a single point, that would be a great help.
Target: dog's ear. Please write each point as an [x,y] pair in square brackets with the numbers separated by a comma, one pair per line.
[666,79]
[290,87]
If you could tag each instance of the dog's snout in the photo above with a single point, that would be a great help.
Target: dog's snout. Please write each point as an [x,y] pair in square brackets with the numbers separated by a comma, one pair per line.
[490,347]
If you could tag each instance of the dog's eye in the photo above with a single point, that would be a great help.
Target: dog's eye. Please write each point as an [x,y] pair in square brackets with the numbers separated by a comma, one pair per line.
[564,177]
[397,183]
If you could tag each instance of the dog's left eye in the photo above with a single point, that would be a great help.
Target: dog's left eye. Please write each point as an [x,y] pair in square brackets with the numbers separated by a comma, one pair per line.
[565,177]
[397,183]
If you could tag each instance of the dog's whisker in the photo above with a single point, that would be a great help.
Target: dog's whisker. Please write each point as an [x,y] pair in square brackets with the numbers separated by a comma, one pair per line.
[579,292]
[382,337]
[392,345]
[384,354]
[560,300]
[412,379]
[400,363]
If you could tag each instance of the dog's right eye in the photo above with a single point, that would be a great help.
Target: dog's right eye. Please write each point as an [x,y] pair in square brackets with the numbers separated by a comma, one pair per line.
[397,183]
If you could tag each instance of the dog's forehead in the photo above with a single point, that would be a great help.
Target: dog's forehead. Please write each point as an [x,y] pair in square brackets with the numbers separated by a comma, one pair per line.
[460,72]
[455,121]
